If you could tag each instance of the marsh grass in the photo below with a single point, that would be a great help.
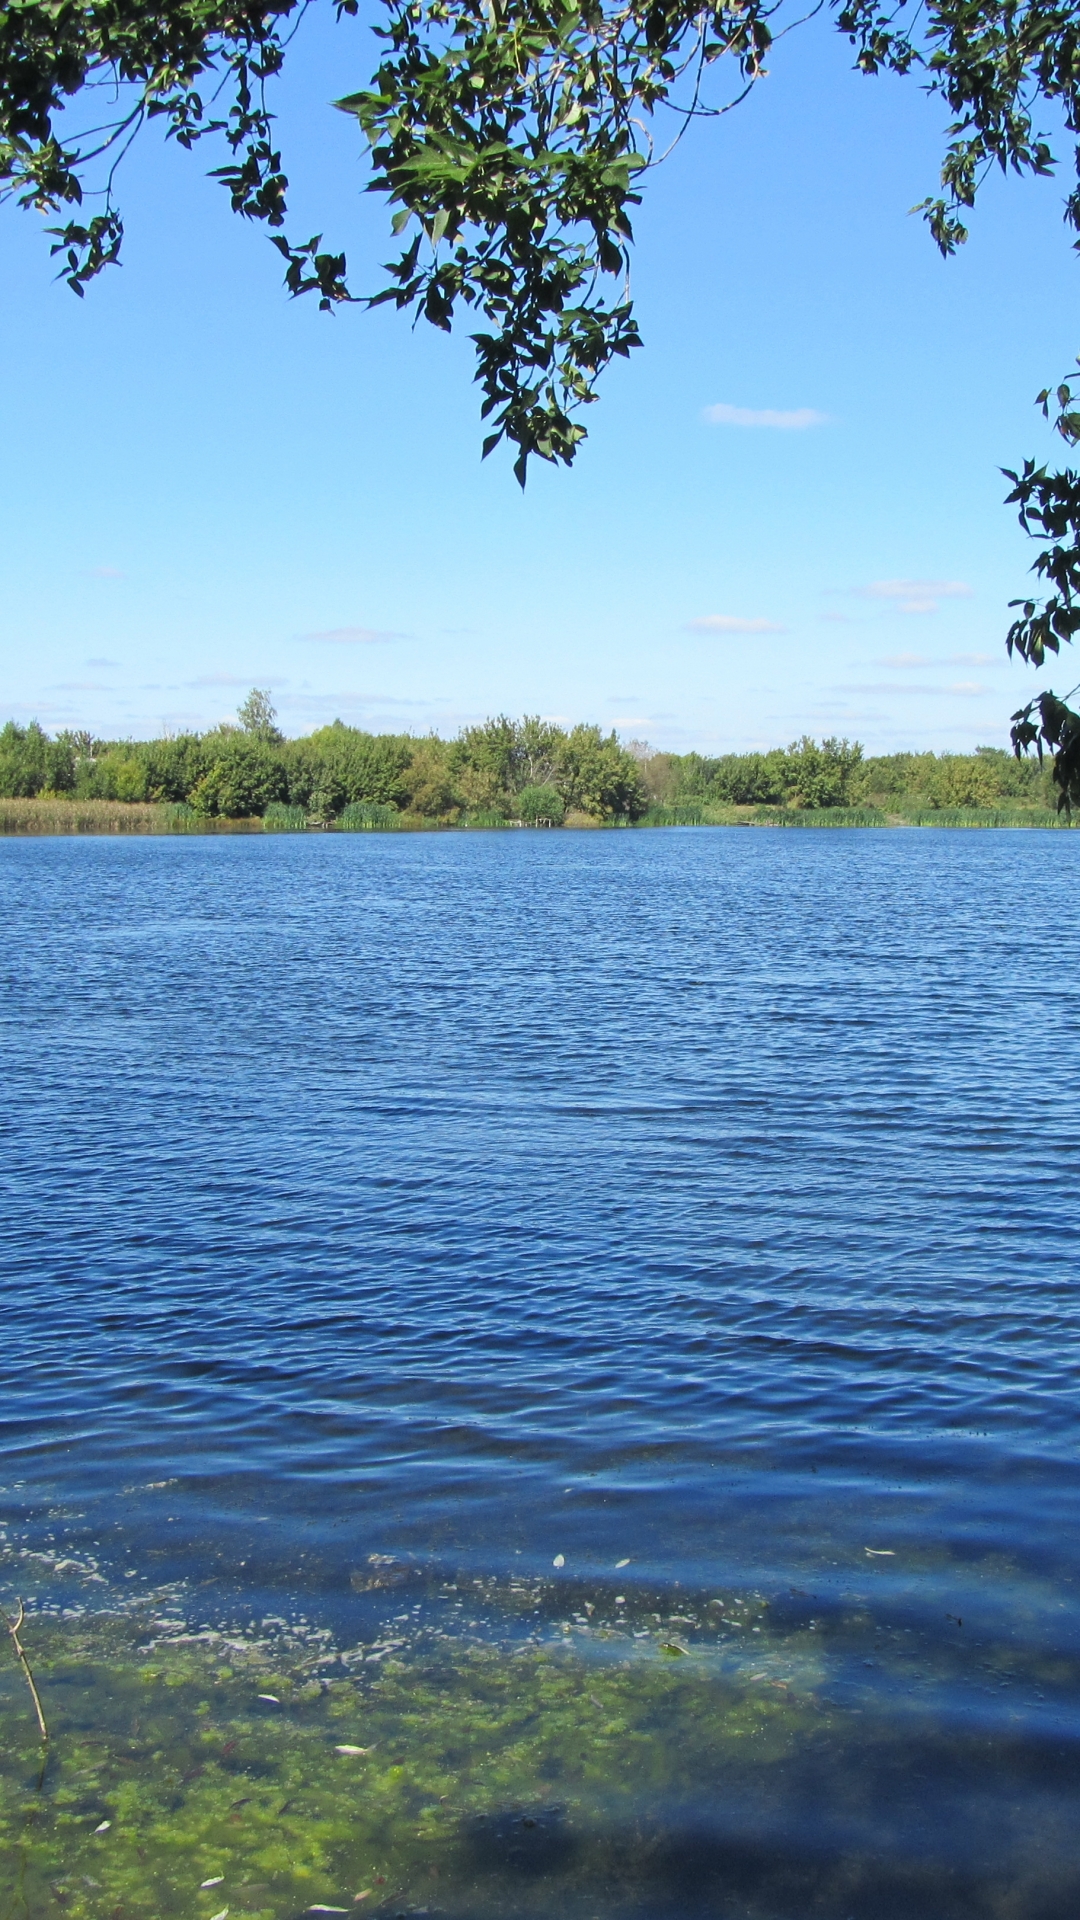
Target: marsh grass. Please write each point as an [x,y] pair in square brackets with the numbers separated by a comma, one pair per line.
[63,816]
[819,817]
[279,818]
[673,817]
[988,817]
[488,817]
[367,816]
[80,816]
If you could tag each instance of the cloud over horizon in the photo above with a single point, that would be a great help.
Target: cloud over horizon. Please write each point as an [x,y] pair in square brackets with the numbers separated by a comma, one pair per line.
[916,596]
[731,623]
[794,420]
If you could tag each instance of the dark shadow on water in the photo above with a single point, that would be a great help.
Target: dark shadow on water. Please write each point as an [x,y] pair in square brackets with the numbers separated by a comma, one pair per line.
[521,1841]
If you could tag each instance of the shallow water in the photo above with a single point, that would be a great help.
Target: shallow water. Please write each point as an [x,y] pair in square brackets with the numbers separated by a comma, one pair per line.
[386,1218]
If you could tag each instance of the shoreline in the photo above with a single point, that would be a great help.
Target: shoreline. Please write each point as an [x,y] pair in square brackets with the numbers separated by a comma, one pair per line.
[59,819]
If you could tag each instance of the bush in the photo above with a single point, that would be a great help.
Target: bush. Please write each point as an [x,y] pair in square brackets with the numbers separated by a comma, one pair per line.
[541,806]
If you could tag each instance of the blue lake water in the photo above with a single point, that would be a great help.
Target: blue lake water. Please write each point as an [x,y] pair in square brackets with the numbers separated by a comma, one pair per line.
[698,1200]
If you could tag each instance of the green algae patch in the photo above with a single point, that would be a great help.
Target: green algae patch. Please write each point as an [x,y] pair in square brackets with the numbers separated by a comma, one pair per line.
[187,1779]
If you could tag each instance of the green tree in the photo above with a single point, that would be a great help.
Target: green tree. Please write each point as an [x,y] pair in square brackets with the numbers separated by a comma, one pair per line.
[119,773]
[344,764]
[31,763]
[963,781]
[596,775]
[258,716]
[243,777]
[429,780]
[495,762]
[821,776]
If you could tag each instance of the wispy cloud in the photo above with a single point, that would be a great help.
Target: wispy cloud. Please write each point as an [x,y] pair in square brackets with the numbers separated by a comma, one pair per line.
[353,636]
[973,659]
[221,680]
[893,690]
[793,420]
[106,573]
[916,596]
[320,703]
[731,623]
[907,660]
[98,660]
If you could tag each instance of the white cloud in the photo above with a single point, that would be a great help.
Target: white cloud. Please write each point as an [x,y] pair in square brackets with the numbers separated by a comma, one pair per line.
[916,596]
[217,680]
[906,660]
[792,421]
[910,690]
[352,636]
[731,623]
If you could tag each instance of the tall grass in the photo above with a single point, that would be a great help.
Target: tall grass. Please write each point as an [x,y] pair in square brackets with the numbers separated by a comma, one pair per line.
[484,817]
[59,816]
[691,816]
[988,817]
[819,817]
[367,816]
[279,818]
[80,816]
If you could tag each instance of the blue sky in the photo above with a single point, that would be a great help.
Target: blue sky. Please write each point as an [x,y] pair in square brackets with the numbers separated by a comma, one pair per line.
[787,517]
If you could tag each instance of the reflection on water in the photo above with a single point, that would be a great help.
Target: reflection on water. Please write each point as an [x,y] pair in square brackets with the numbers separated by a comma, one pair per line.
[589,1317]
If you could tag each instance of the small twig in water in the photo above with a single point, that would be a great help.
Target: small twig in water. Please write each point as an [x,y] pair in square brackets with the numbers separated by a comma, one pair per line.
[13,1629]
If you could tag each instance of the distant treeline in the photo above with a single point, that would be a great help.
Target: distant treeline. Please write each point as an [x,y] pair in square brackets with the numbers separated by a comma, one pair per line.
[836,774]
[506,770]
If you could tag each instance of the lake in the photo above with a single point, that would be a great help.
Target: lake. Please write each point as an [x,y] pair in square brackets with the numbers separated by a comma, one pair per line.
[551,1358]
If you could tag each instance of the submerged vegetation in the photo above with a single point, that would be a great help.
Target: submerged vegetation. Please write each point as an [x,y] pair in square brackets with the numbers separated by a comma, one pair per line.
[506,772]
[507,1747]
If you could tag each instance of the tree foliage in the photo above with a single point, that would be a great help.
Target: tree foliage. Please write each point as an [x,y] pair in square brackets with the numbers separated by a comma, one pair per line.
[528,770]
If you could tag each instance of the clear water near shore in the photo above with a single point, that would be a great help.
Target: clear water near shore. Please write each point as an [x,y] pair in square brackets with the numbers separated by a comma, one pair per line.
[388,1218]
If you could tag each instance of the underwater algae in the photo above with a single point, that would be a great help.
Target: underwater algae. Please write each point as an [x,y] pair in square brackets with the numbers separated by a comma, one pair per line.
[207,1771]
[614,1761]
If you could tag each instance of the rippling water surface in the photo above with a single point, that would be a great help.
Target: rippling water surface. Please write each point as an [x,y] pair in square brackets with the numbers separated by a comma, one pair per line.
[685,1213]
